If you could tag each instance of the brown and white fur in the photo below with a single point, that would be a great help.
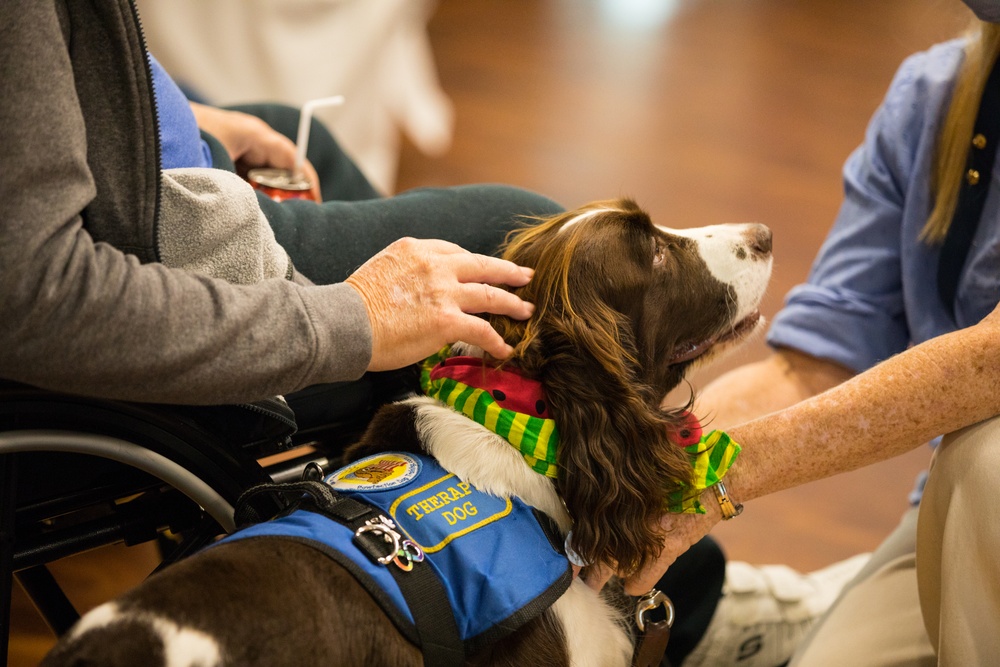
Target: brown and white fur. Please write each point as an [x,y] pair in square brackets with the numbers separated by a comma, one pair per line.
[623,309]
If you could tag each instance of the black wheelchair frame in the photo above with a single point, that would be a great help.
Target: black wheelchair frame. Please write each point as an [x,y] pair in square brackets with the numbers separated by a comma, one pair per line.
[79,473]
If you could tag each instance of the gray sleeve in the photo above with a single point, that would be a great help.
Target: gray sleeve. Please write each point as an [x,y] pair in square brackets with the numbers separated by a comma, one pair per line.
[81,316]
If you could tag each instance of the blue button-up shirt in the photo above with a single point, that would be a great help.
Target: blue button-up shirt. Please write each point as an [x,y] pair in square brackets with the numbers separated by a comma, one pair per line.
[872,290]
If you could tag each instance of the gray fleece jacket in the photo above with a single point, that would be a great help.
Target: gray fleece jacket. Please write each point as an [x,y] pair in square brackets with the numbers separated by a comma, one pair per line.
[89,223]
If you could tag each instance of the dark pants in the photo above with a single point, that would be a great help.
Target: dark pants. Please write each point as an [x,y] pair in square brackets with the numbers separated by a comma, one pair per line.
[694,584]
[328,241]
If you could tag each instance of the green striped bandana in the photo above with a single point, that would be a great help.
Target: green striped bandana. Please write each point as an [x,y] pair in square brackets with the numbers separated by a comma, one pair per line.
[502,400]
[711,458]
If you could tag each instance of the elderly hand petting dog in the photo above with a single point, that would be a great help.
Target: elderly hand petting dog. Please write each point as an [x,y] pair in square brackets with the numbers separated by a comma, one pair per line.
[420,293]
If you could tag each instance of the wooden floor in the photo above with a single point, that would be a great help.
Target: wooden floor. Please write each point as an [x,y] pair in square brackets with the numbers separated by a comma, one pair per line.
[705,111]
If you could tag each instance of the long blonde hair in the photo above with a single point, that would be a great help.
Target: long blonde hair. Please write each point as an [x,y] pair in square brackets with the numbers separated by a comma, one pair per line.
[952,150]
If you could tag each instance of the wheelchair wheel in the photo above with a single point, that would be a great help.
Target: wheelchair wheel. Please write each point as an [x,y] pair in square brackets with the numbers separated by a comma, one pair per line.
[76,474]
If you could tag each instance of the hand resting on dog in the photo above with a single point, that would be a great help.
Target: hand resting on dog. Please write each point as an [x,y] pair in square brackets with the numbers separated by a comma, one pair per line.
[421,295]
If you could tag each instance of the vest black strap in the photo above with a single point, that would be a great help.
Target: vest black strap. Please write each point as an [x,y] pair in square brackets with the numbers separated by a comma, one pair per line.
[440,642]
[423,591]
[972,195]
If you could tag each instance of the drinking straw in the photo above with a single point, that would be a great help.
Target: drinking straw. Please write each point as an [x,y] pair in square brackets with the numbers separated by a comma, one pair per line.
[305,118]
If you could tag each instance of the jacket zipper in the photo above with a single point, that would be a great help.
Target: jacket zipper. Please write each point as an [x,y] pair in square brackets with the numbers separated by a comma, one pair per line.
[156,127]
[275,408]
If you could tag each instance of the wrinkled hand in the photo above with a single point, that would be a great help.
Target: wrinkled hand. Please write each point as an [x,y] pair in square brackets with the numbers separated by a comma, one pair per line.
[682,531]
[251,142]
[420,295]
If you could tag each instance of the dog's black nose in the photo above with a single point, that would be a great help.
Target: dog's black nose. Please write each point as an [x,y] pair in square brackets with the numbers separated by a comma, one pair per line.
[759,239]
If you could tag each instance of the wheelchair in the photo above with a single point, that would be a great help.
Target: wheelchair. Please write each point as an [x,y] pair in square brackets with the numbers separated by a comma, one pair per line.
[79,473]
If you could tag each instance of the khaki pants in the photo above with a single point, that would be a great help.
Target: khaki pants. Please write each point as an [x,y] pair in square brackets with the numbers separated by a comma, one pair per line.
[931,592]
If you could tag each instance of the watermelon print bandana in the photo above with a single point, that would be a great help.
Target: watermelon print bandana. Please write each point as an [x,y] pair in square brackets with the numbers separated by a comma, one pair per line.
[500,399]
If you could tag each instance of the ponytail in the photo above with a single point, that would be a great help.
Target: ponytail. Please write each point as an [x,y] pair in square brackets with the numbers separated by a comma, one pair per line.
[955,136]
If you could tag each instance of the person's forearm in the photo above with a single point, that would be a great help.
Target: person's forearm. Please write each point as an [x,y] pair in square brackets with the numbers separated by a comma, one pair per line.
[753,390]
[934,388]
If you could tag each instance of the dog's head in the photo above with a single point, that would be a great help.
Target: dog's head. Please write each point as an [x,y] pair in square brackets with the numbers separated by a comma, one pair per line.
[623,310]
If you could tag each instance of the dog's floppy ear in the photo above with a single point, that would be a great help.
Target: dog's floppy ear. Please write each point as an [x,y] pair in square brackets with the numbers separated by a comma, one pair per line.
[616,464]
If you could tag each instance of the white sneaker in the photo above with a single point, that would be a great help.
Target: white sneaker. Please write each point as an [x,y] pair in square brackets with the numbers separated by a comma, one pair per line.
[766,611]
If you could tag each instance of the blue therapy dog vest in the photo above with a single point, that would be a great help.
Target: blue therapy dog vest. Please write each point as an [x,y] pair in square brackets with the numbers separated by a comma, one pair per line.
[498,566]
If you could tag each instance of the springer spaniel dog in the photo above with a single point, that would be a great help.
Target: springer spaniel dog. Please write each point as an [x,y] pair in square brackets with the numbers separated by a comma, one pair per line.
[461,506]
